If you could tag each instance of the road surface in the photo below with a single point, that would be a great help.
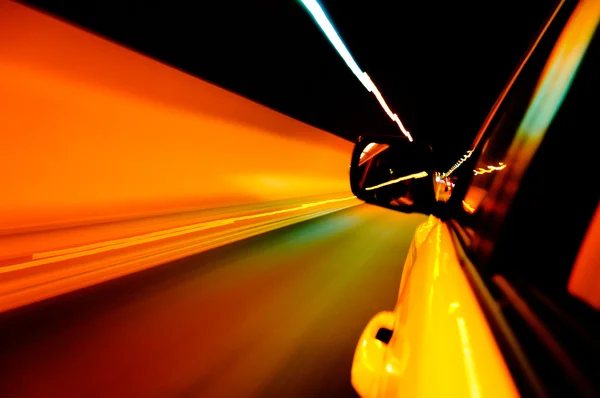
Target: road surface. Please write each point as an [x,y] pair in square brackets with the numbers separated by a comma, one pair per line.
[276,315]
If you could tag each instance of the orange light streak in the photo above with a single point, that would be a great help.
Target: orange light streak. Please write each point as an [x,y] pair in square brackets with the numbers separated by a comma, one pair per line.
[94,132]
[490,169]
[39,259]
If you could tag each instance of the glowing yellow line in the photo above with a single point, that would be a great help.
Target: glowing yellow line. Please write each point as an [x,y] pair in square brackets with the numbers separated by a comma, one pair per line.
[86,250]
[481,170]
[468,207]
[468,356]
[408,177]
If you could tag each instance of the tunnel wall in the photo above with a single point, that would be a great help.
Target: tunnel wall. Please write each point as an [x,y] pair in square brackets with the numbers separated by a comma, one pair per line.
[93,131]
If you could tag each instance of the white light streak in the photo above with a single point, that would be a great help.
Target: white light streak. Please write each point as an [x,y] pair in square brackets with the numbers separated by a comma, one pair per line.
[319,15]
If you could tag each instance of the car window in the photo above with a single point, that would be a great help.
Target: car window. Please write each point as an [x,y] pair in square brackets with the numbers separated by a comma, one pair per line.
[525,216]
[542,214]
[477,218]
[553,208]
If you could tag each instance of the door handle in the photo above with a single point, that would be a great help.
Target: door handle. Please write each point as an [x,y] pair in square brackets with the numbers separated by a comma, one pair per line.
[368,364]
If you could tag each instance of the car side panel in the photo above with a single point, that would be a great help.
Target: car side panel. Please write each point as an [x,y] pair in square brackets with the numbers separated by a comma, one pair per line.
[420,235]
[442,345]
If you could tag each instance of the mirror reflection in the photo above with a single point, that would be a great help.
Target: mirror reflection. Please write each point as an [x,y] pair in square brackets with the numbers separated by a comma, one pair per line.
[393,174]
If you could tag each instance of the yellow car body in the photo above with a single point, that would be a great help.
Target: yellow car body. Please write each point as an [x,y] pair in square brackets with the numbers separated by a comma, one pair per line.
[439,340]
[442,345]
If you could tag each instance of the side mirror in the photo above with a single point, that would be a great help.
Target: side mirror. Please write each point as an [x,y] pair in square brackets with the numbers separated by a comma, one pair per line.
[390,171]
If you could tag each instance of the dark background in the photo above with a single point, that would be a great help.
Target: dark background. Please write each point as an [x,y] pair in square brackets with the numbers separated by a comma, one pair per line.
[439,65]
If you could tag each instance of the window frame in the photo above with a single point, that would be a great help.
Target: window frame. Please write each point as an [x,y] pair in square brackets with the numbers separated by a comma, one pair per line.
[455,208]
[504,303]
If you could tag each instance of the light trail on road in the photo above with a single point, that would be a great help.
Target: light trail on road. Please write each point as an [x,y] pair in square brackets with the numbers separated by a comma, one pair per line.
[276,315]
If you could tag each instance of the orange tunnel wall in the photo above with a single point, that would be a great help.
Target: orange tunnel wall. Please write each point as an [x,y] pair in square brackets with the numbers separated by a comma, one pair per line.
[92,131]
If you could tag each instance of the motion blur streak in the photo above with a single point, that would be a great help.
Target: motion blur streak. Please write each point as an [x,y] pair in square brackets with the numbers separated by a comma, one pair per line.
[421,174]
[551,89]
[186,229]
[490,169]
[327,27]
[47,257]
[457,164]
[516,73]
[51,273]
[373,89]
[560,69]
[94,132]
[276,315]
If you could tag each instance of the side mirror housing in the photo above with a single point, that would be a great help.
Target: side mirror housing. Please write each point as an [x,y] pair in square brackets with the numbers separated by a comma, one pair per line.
[392,172]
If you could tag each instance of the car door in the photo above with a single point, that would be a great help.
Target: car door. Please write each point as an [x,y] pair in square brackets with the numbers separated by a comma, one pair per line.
[526,212]
[448,337]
